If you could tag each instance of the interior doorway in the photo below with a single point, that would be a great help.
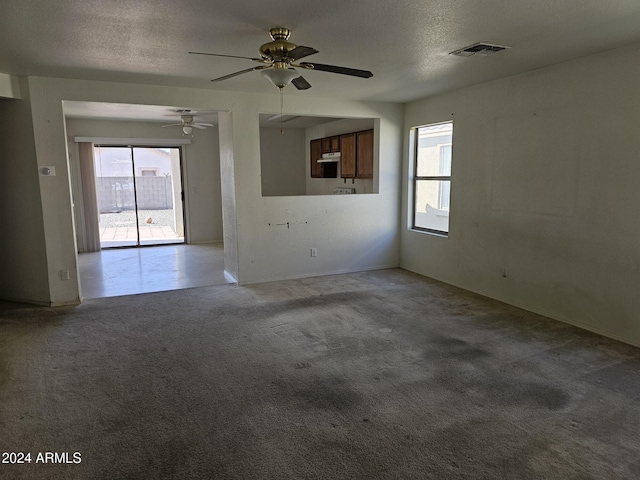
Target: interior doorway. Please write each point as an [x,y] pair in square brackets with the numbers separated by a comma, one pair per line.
[140,195]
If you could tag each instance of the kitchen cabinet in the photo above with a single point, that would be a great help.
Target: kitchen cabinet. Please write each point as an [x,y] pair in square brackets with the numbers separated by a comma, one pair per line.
[322,170]
[326,144]
[364,154]
[316,154]
[348,155]
[335,144]
[356,155]
[331,144]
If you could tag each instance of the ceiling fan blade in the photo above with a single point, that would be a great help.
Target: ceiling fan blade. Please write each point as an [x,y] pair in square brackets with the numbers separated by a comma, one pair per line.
[205,124]
[301,51]
[171,125]
[341,70]
[247,70]
[300,83]
[198,125]
[261,60]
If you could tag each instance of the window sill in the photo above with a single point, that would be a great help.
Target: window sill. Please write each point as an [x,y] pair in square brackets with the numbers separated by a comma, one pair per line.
[435,233]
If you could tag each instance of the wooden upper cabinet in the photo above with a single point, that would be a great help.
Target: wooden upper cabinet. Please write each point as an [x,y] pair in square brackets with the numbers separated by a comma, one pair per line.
[326,145]
[356,155]
[348,155]
[364,150]
[316,154]
[331,144]
[335,143]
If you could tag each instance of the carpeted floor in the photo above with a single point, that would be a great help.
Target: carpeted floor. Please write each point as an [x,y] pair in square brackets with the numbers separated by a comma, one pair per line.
[380,374]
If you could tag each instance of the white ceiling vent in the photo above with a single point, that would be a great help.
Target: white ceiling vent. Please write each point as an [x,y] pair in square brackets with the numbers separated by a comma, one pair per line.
[482,49]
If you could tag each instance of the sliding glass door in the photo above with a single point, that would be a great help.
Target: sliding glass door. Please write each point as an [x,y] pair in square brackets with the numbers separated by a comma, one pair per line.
[139,193]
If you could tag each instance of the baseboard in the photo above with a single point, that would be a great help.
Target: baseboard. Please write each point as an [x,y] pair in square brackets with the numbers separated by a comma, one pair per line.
[65,304]
[25,301]
[39,303]
[321,274]
[536,310]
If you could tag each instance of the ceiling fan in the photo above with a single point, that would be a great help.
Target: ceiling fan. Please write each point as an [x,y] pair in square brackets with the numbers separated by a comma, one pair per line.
[187,123]
[278,62]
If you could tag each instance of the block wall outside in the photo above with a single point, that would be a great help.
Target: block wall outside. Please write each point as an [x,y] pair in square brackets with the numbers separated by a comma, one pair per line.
[116,194]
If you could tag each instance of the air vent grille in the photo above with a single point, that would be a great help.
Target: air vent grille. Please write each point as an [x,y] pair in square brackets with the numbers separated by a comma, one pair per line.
[482,49]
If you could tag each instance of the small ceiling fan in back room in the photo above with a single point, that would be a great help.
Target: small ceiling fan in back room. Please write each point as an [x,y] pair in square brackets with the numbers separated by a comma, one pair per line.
[187,123]
[278,63]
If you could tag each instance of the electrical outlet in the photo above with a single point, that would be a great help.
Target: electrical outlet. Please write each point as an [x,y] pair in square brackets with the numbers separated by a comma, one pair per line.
[64,274]
[314,252]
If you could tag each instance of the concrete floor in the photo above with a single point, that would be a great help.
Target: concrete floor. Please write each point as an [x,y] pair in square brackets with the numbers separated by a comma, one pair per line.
[126,271]
[126,236]
[154,227]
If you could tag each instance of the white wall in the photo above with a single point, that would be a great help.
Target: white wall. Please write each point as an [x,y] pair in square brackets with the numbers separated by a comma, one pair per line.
[282,162]
[545,181]
[275,234]
[355,233]
[229,196]
[23,261]
[200,163]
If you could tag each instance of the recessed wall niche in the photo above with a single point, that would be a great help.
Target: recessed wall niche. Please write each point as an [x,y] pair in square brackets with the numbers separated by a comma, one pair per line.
[291,145]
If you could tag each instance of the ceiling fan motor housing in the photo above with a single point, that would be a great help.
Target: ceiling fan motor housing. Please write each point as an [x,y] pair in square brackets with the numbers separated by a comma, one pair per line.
[278,48]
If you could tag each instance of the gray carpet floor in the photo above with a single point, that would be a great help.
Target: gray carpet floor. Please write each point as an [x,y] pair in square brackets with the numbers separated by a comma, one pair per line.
[371,375]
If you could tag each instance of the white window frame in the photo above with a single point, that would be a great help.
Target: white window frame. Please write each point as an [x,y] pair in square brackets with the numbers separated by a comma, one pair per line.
[441,192]
[440,177]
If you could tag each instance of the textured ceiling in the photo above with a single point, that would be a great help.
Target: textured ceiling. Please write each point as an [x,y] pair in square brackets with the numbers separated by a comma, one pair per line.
[405,43]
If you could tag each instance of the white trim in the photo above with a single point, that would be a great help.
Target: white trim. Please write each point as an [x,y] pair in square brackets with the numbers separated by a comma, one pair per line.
[341,271]
[230,278]
[156,142]
[9,86]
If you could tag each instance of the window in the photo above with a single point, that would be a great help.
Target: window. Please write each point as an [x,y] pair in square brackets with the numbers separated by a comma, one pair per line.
[432,177]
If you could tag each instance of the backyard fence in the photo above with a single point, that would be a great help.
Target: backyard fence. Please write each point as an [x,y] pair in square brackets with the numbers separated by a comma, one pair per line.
[116,194]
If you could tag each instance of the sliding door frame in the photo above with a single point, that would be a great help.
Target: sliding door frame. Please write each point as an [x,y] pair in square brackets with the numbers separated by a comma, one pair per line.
[132,146]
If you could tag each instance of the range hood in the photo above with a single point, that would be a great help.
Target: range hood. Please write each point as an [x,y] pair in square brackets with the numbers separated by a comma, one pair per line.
[329,157]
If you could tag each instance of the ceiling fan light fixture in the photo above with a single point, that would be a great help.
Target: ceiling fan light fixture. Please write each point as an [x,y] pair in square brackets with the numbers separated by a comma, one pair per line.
[279,58]
[280,77]
[187,130]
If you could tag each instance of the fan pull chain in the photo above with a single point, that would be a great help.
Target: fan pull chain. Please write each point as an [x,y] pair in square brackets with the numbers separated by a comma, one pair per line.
[281,104]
